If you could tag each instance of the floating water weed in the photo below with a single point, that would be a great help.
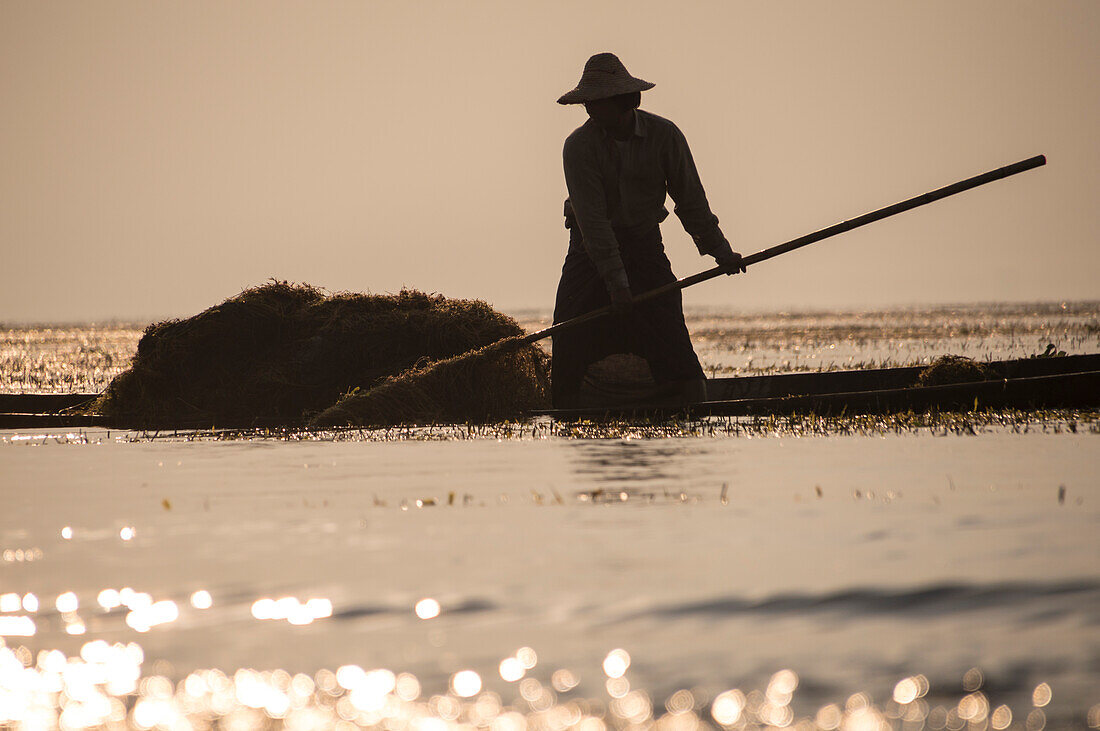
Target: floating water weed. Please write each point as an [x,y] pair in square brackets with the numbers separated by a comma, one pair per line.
[499,381]
[283,351]
[1055,421]
[953,369]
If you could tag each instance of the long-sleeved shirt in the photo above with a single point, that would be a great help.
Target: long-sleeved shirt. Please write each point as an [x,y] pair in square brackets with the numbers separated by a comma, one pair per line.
[614,184]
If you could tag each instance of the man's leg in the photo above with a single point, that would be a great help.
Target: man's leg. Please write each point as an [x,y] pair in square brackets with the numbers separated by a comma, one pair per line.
[660,334]
[580,290]
[672,358]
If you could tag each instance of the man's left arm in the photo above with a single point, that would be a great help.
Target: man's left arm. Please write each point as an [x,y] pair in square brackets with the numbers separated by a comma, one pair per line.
[692,207]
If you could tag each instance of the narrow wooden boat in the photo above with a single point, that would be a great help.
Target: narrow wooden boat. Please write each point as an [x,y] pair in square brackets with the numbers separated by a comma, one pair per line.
[1032,383]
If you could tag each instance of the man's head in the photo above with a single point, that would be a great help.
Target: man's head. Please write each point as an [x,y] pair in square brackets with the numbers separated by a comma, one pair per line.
[614,112]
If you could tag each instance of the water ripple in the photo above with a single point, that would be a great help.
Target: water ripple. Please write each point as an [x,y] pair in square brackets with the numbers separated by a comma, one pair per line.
[933,600]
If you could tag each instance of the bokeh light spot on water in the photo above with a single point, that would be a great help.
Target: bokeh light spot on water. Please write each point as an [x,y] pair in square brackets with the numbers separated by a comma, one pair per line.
[291,609]
[350,676]
[109,599]
[590,723]
[127,533]
[1036,720]
[727,707]
[616,663]
[511,721]
[973,680]
[682,701]
[781,688]
[446,707]
[144,618]
[530,690]
[511,669]
[427,608]
[10,602]
[380,681]
[485,709]
[617,687]
[30,603]
[777,716]
[867,718]
[915,713]
[135,600]
[67,602]
[370,690]
[1001,718]
[407,687]
[564,680]
[466,683]
[21,626]
[634,707]
[1041,696]
[528,657]
[828,717]
[202,600]
[973,708]
[910,689]
[67,533]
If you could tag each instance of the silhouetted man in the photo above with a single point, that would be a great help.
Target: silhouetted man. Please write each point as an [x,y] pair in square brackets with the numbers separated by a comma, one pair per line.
[619,165]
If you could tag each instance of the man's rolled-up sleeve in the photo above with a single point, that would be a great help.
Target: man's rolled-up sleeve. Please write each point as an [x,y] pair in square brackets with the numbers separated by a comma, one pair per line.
[687,192]
[586,194]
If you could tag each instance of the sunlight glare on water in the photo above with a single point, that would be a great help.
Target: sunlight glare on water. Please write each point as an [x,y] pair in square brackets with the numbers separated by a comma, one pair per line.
[511,669]
[202,600]
[427,608]
[616,663]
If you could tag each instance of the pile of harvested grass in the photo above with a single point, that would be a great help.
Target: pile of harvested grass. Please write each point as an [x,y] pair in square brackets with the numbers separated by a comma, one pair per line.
[286,352]
[949,369]
[495,383]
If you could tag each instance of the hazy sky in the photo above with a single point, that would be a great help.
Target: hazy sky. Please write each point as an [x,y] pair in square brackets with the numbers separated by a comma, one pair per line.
[157,157]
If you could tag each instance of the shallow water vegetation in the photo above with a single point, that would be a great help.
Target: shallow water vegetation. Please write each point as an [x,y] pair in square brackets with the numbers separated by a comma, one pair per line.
[765,343]
[1051,421]
[496,382]
[953,369]
[64,358]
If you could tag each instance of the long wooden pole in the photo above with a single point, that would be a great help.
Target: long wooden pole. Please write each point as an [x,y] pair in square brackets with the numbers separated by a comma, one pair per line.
[839,228]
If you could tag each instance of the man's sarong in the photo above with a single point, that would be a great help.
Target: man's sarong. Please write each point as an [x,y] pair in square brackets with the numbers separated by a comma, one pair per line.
[654,330]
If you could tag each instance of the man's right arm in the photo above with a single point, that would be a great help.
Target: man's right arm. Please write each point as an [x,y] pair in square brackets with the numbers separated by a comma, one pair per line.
[587,196]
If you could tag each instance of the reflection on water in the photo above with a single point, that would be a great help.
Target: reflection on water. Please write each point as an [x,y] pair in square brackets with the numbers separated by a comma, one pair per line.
[292,609]
[628,462]
[631,469]
[1079,600]
[427,608]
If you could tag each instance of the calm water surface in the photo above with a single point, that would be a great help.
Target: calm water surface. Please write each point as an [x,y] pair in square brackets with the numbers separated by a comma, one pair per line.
[912,579]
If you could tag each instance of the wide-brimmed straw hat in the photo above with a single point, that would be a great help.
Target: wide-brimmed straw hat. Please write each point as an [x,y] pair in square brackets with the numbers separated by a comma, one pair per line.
[604,76]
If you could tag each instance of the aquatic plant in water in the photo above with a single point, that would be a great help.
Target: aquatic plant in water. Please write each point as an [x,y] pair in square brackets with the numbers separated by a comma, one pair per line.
[953,369]
[286,352]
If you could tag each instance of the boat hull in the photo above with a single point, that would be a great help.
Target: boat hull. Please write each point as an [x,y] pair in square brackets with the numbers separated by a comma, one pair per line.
[1032,383]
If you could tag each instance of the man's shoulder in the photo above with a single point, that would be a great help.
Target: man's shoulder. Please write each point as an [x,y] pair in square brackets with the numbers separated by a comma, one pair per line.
[582,135]
[658,124]
[582,142]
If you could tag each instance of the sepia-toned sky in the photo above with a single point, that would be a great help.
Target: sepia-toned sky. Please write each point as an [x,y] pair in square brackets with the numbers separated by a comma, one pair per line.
[158,157]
